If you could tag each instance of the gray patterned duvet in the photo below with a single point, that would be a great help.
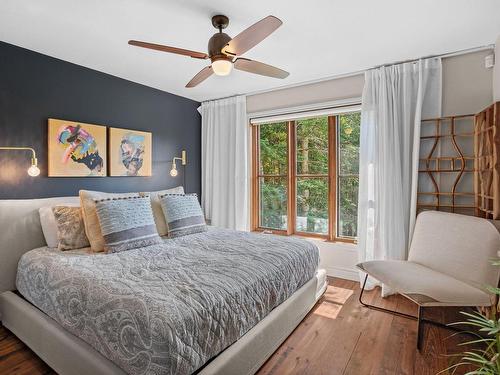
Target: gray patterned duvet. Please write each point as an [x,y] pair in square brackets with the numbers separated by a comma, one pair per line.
[168,308]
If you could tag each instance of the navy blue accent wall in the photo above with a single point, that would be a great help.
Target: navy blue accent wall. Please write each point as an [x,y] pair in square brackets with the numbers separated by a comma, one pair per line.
[35,87]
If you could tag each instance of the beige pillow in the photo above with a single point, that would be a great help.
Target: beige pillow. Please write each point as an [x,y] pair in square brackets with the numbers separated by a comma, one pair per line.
[70,228]
[49,224]
[161,224]
[90,219]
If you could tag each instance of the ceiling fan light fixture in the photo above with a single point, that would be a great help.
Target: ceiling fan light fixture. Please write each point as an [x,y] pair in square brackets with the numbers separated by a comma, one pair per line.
[222,67]
[225,52]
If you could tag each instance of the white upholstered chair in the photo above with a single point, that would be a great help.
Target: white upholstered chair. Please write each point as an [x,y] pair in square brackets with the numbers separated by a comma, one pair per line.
[449,264]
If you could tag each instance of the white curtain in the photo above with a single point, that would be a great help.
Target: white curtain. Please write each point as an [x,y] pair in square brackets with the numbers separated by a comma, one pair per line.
[395,100]
[224,162]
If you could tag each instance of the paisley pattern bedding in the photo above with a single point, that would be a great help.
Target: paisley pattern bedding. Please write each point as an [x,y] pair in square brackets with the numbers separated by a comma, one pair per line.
[168,308]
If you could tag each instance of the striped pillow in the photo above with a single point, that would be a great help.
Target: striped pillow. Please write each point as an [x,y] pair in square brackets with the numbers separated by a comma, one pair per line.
[183,214]
[126,223]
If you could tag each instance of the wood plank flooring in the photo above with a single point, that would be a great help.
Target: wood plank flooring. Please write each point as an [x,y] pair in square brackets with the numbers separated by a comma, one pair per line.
[339,336]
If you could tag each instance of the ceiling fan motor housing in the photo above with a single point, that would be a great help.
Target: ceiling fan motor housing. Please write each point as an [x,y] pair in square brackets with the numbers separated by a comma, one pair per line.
[216,43]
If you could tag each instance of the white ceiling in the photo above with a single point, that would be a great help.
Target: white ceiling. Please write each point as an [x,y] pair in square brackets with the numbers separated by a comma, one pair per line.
[319,38]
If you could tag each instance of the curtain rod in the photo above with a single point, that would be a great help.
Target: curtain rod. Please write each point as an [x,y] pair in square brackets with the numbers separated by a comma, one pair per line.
[358,72]
[442,55]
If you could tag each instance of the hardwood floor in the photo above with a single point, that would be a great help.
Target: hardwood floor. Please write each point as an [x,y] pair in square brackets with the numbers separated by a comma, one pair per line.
[339,336]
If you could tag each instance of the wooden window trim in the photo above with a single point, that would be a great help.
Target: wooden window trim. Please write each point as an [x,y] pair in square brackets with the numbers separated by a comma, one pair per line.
[292,173]
[332,181]
[292,184]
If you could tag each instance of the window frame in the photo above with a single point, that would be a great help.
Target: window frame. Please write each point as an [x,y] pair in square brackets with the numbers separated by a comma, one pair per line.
[291,178]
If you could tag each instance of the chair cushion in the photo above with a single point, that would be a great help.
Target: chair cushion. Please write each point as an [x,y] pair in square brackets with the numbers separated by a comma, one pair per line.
[460,246]
[423,285]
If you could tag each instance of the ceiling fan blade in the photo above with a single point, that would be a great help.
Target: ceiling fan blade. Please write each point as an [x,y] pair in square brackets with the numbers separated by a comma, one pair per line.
[200,77]
[256,67]
[160,47]
[252,36]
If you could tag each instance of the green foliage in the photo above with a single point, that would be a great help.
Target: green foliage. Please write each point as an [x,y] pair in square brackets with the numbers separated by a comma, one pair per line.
[273,149]
[312,146]
[312,160]
[312,203]
[273,203]
[273,161]
[348,180]
[485,360]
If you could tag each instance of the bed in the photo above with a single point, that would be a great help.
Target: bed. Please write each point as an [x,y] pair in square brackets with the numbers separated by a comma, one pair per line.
[218,302]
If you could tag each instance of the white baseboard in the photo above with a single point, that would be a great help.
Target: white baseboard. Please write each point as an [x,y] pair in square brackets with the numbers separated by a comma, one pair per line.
[343,273]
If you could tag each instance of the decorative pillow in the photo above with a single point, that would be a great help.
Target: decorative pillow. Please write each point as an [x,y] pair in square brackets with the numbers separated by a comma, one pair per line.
[126,223]
[161,224]
[92,226]
[49,224]
[183,214]
[70,228]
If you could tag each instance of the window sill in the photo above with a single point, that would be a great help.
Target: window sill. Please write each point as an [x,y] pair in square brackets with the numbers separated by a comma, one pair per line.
[318,238]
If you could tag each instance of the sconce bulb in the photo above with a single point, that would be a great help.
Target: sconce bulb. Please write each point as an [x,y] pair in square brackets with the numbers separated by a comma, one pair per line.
[33,171]
[173,171]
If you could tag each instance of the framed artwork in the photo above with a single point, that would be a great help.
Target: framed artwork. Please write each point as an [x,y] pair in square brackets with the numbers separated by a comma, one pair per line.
[130,152]
[76,149]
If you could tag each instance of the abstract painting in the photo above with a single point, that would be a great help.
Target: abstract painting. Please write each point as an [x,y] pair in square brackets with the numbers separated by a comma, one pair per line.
[130,152]
[76,149]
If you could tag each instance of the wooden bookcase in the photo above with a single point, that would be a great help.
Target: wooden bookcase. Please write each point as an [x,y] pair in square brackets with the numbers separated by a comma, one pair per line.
[446,166]
[487,162]
[459,168]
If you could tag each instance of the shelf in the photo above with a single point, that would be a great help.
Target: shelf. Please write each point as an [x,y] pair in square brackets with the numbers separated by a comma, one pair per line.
[447,118]
[455,139]
[445,171]
[445,193]
[456,206]
[447,135]
[448,158]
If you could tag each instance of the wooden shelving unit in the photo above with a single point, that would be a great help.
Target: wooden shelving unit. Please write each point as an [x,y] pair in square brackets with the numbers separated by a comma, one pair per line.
[459,169]
[487,162]
[447,165]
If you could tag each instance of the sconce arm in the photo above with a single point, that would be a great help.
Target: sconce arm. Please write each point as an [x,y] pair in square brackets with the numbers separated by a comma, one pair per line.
[34,160]
[183,158]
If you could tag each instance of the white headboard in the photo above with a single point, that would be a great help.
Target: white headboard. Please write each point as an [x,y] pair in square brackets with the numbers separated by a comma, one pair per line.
[20,231]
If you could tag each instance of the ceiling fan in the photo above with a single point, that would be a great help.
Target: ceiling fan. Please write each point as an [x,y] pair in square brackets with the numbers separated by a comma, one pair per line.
[224,51]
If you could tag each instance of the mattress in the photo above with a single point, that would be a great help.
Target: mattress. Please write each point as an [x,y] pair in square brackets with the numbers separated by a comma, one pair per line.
[168,308]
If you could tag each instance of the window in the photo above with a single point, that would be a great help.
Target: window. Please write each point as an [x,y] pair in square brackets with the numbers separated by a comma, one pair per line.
[305,176]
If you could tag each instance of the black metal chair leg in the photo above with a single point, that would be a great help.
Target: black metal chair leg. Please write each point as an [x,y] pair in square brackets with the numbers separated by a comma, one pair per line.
[420,327]
[419,318]
[373,307]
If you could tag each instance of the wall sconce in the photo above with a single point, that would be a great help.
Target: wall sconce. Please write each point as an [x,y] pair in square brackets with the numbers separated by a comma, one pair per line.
[173,171]
[33,171]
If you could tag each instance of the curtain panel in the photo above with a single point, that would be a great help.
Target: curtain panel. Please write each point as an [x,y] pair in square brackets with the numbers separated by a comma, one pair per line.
[224,162]
[395,100]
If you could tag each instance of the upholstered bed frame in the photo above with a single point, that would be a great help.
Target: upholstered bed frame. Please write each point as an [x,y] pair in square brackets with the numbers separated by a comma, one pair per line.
[69,355]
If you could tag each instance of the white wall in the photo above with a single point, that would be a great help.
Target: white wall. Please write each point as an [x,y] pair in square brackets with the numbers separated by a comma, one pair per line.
[466,84]
[320,92]
[467,88]
[496,72]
